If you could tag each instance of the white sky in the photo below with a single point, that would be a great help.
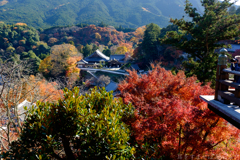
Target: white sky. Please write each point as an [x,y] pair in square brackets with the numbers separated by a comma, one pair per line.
[237,3]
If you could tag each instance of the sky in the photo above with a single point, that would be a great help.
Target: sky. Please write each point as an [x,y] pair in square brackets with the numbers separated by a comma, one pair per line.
[237,3]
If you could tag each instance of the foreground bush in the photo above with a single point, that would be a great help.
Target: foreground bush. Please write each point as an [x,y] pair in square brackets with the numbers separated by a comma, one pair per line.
[77,127]
[171,120]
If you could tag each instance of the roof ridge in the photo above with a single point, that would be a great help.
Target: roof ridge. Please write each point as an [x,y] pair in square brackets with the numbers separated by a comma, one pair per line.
[100,54]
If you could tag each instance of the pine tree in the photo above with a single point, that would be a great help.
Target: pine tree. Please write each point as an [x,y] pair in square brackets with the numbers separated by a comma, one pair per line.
[200,36]
[150,42]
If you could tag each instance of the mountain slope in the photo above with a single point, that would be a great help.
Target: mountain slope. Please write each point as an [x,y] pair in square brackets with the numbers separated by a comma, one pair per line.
[128,13]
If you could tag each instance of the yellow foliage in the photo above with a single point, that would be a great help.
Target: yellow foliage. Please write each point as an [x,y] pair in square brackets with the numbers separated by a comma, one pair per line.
[125,48]
[121,50]
[10,49]
[41,43]
[64,49]
[72,68]
[98,36]
[3,2]
[45,65]
[63,59]
[21,24]
[139,33]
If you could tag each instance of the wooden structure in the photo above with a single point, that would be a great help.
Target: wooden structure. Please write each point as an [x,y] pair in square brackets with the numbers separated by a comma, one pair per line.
[98,60]
[226,100]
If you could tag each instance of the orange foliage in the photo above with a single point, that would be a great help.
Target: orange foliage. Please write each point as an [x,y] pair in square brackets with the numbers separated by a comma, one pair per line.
[21,24]
[72,65]
[139,33]
[171,120]
[127,47]
[46,91]
[22,42]
[31,89]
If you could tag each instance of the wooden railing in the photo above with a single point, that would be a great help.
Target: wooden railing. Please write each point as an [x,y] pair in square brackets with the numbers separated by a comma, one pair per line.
[226,100]
[223,84]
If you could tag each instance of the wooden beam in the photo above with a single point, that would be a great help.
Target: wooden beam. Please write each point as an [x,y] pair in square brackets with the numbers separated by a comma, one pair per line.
[230,83]
[228,70]
[229,96]
[231,113]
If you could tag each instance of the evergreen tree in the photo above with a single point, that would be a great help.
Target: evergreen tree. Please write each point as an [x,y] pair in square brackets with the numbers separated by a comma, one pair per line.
[102,24]
[94,48]
[150,42]
[87,50]
[199,37]
[232,10]
[107,52]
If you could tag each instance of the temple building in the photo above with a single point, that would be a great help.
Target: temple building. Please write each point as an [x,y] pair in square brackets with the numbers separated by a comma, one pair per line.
[98,59]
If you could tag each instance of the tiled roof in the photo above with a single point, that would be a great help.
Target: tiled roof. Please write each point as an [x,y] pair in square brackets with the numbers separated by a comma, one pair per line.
[98,53]
[117,56]
[112,86]
[135,66]
[234,47]
[95,59]
[82,61]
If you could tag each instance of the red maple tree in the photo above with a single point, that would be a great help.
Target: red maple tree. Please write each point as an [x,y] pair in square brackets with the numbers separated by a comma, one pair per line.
[171,120]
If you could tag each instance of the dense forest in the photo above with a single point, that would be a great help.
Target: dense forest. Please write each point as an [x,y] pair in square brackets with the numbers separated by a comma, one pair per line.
[21,42]
[155,115]
[128,13]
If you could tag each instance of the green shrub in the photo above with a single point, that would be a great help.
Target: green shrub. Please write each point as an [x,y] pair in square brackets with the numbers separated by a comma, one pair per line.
[84,127]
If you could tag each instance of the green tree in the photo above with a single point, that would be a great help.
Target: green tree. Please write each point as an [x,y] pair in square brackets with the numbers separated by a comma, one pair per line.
[107,52]
[85,127]
[232,10]
[150,42]
[94,48]
[87,50]
[168,28]
[102,24]
[31,57]
[43,49]
[71,42]
[199,37]
[238,10]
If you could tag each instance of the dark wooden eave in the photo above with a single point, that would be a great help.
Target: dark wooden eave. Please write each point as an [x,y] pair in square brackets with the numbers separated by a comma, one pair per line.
[229,112]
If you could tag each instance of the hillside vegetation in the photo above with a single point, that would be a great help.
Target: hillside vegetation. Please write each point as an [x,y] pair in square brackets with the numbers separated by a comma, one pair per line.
[128,13]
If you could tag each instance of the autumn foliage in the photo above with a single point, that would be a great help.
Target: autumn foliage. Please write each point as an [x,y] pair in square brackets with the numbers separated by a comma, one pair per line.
[46,91]
[62,61]
[171,120]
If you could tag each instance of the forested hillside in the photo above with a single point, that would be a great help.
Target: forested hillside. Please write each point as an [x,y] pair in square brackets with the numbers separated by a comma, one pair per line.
[128,13]
[21,42]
